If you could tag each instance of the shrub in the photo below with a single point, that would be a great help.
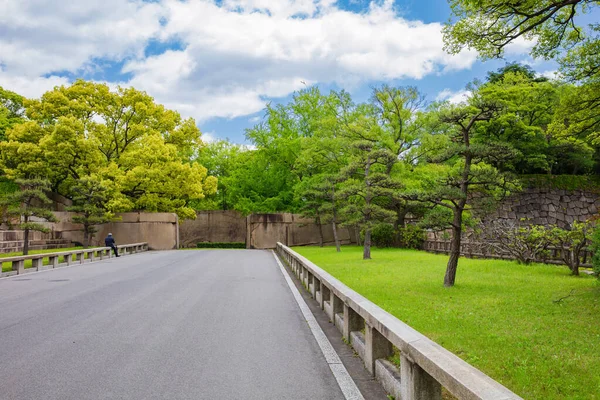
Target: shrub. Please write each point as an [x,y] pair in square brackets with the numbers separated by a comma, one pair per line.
[595,247]
[383,235]
[525,243]
[232,245]
[411,237]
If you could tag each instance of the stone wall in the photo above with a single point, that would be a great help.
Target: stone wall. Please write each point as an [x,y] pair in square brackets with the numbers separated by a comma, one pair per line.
[258,231]
[213,227]
[159,230]
[548,207]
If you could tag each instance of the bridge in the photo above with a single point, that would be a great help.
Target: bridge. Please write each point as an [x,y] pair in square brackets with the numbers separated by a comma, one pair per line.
[210,324]
[165,325]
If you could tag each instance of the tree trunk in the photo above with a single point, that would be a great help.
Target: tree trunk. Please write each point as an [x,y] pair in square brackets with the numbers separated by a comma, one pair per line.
[335,236]
[574,263]
[454,249]
[367,246]
[357,234]
[318,221]
[26,242]
[86,237]
[400,221]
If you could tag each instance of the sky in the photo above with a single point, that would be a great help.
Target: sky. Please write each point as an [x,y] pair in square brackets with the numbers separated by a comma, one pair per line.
[222,61]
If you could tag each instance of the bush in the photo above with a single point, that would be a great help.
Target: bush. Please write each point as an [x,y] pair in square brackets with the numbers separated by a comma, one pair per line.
[232,245]
[383,235]
[411,237]
[595,247]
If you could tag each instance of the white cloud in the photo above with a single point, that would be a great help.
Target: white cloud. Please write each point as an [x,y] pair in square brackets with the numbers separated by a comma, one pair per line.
[234,57]
[457,97]
[553,74]
[208,137]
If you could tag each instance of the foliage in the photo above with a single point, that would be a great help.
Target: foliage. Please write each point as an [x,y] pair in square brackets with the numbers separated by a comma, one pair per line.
[411,237]
[26,204]
[232,245]
[122,137]
[90,196]
[572,242]
[524,242]
[595,248]
[384,235]
[562,182]
[11,111]
[502,319]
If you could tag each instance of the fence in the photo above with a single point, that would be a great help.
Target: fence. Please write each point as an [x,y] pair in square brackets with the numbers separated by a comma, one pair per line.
[425,366]
[481,249]
[68,257]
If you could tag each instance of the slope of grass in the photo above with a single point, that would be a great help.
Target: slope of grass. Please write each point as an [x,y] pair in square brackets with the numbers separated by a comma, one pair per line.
[501,317]
[8,266]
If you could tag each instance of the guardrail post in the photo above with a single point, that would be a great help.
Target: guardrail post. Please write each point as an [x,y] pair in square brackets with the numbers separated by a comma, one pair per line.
[415,383]
[376,346]
[68,258]
[53,261]
[37,263]
[91,255]
[352,322]
[337,307]
[79,257]
[325,295]
[19,266]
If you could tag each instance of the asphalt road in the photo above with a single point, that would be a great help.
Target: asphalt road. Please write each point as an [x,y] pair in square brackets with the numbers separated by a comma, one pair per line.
[210,324]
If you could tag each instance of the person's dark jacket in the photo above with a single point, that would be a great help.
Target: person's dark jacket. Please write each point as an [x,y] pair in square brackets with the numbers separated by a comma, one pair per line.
[109,241]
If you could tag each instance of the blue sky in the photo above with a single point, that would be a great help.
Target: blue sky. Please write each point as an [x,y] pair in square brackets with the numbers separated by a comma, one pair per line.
[222,61]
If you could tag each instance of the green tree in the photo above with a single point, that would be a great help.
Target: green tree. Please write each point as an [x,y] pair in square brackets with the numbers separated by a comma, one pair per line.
[90,198]
[12,111]
[29,204]
[121,136]
[467,177]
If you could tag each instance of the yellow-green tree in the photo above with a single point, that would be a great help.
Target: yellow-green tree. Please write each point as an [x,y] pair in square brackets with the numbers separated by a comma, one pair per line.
[144,150]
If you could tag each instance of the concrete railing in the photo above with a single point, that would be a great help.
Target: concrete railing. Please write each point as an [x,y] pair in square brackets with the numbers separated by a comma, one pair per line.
[425,366]
[54,259]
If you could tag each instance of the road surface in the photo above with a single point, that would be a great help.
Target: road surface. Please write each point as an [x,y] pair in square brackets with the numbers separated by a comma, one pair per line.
[209,324]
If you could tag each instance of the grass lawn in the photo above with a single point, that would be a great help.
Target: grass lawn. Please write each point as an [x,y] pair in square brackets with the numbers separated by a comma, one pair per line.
[500,317]
[8,266]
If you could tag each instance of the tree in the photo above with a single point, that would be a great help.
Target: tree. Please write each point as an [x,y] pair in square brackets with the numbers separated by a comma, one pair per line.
[365,188]
[90,198]
[468,177]
[12,111]
[28,204]
[572,242]
[489,26]
[525,242]
[120,136]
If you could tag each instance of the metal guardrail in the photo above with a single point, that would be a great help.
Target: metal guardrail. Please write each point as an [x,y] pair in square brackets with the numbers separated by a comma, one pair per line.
[93,254]
[425,366]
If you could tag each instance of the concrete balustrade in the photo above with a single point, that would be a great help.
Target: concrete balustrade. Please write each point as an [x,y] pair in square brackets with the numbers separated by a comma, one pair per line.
[81,256]
[425,366]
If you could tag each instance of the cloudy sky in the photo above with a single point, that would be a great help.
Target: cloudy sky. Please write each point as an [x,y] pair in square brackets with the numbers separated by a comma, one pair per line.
[221,61]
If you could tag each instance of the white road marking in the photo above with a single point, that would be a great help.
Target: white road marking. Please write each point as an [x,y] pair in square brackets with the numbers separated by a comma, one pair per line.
[343,378]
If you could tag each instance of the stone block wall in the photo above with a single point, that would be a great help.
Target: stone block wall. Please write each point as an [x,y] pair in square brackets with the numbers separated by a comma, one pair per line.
[548,207]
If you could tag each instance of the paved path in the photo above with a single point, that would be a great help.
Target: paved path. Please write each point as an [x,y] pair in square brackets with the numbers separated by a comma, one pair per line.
[172,325]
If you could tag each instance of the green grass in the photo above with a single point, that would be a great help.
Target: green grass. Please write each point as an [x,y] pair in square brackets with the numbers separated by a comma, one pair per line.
[8,266]
[500,317]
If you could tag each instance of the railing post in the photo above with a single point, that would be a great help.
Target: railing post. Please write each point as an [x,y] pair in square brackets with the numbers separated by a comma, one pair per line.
[352,322]
[37,263]
[415,383]
[91,257]
[53,261]
[79,257]
[19,266]
[68,258]
[337,307]
[376,346]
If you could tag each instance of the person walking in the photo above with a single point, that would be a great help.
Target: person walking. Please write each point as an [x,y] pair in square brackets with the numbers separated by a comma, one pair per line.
[109,241]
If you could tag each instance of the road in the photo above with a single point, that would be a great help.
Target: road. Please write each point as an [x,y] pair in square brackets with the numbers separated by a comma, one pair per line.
[209,324]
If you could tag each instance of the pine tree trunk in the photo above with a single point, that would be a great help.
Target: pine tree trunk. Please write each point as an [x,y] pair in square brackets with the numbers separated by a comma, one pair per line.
[318,220]
[86,237]
[367,246]
[26,242]
[452,266]
[335,237]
